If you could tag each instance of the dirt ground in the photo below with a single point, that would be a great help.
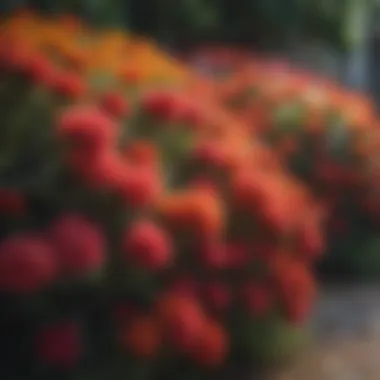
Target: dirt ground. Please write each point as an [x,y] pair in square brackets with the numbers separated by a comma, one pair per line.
[346,344]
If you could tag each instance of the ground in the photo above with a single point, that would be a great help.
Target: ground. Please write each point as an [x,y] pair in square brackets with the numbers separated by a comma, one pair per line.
[346,344]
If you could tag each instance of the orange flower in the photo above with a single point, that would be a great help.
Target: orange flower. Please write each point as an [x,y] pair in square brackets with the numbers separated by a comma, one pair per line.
[199,210]
[249,189]
[131,76]
[359,112]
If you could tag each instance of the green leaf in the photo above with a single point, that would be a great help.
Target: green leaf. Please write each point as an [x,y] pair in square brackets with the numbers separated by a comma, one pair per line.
[267,341]
[273,340]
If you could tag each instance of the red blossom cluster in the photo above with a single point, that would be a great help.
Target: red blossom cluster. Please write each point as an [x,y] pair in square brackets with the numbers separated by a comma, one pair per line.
[325,134]
[164,213]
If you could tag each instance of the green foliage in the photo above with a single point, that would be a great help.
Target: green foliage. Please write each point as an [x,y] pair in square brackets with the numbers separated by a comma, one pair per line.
[265,23]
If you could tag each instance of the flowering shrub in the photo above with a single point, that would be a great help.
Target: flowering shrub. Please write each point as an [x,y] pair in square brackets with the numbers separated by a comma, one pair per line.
[144,234]
[326,135]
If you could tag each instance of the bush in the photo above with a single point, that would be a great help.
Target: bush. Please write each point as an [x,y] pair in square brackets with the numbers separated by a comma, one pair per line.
[143,234]
[325,134]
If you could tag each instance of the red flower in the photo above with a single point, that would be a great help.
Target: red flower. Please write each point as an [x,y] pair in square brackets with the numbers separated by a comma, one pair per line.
[40,70]
[183,320]
[277,210]
[148,245]
[249,189]
[69,85]
[59,344]
[257,298]
[17,54]
[311,238]
[115,105]
[165,106]
[80,244]
[296,289]
[104,170]
[156,104]
[27,264]
[211,348]
[88,128]
[140,186]
[212,154]
[194,117]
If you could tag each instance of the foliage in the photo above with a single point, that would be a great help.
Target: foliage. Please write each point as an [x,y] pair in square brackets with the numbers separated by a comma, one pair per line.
[264,23]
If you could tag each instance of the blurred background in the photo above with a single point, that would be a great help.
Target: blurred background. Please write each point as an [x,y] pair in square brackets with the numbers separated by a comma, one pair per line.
[338,38]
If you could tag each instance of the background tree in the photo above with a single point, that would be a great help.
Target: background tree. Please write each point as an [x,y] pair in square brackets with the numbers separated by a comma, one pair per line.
[264,23]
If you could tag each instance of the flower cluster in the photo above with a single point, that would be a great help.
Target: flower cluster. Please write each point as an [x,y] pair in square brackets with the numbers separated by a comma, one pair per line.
[150,230]
[325,134]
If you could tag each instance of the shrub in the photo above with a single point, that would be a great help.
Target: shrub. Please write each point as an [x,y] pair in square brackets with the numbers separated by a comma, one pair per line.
[144,234]
[325,134]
